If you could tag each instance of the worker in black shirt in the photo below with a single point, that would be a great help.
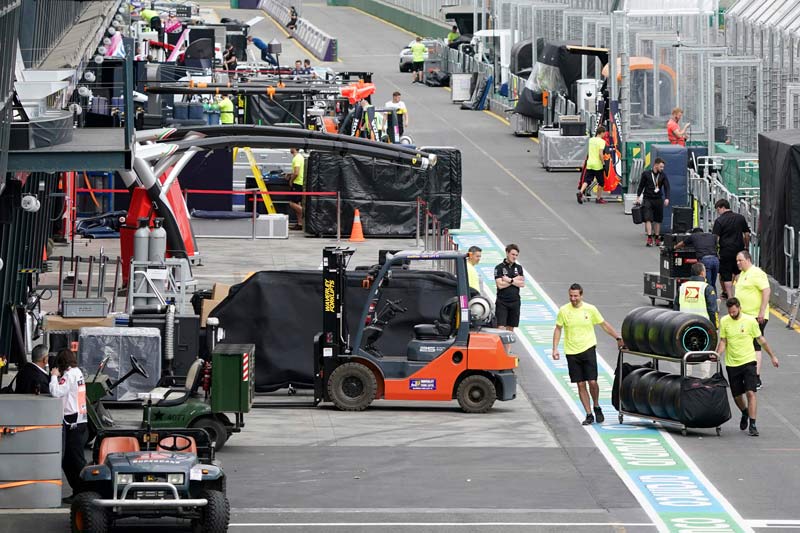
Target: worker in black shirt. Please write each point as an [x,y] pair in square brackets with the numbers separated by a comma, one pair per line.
[34,378]
[653,194]
[509,279]
[734,236]
[705,249]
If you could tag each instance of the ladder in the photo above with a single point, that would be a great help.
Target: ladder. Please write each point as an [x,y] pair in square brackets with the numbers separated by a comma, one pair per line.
[259,179]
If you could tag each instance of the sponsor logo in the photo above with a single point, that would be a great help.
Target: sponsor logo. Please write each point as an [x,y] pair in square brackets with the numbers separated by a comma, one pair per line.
[422,384]
[330,296]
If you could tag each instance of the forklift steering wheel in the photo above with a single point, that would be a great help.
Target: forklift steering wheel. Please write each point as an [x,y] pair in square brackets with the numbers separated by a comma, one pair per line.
[177,445]
[137,366]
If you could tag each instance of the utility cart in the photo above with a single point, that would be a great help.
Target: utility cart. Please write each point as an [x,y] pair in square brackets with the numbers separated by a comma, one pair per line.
[658,396]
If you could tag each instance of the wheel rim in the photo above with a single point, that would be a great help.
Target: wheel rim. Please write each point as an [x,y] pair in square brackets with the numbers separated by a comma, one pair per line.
[476,394]
[352,387]
[80,522]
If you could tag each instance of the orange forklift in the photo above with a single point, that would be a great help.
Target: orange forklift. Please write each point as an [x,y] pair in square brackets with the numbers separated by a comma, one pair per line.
[455,357]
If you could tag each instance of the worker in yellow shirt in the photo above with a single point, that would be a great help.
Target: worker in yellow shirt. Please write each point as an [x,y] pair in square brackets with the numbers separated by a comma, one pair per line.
[296,179]
[225,110]
[752,290]
[577,319]
[453,35]
[594,166]
[418,51]
[473,259]
[737,333]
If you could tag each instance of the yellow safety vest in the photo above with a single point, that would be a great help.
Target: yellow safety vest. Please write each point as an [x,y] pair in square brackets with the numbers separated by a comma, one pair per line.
[692,298]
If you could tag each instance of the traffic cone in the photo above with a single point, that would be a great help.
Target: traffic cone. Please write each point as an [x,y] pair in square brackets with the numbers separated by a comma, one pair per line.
[357,233]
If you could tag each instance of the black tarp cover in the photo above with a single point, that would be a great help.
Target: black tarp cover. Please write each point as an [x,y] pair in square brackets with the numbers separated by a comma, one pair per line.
[281,109]
[554,54]
[385,193]
[281,311]
[779,173]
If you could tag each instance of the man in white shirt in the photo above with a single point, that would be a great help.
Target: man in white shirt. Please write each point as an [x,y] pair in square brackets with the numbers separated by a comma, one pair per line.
[397,105]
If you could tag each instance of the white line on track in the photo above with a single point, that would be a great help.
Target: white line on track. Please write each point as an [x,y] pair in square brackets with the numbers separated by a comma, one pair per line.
[445,524]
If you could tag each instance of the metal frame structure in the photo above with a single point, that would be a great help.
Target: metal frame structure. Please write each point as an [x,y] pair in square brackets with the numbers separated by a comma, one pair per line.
[731,82]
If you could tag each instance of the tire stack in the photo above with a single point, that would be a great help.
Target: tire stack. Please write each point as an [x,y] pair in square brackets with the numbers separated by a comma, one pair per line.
[651,393]
[30,451]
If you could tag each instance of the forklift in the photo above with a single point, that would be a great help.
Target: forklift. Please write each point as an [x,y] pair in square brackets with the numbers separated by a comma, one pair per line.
[456,357]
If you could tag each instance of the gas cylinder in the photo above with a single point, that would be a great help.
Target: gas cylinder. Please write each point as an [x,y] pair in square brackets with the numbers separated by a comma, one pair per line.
[141,244]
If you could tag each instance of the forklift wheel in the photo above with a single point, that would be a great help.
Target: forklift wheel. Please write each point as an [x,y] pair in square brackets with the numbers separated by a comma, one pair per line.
[476,394]
[352,387]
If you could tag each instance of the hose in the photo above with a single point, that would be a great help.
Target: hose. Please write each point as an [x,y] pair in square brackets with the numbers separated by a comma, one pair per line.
[169,336]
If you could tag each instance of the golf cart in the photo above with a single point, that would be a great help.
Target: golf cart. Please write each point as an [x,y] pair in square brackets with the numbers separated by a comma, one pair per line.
[454,357]
[223,391]
[151,473]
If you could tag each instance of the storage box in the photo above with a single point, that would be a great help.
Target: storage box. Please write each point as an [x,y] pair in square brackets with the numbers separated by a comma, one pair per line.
[220,291]
[84,307]
[572,129]
[678,263]
[628,200]
[658,287]
[205,309]
[233,378]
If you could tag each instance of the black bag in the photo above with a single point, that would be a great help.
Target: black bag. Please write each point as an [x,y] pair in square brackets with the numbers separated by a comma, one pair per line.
[9,389]
[636,211]
[704,402]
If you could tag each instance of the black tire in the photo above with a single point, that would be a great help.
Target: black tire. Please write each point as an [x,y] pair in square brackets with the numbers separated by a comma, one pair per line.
[665,395]
[476,394]
[628,327]
[84,517]
[216,430]
[215,516]
[352,387]
[685,332]
[629,385]
[642,393]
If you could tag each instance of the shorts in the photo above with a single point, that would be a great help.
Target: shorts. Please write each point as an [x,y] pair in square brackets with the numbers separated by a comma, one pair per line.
[742,378]
[583,366]
[594,174]
[416,66]
[727,267]
[762,327]
[297,199]
[653,210]
[507,314]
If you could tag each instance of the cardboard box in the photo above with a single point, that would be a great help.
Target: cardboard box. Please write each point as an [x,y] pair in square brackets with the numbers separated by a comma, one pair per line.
[59,323]
[206,308]
[220,291]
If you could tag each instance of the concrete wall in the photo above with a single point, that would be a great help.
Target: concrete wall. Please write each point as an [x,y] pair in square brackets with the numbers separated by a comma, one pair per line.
[405,19]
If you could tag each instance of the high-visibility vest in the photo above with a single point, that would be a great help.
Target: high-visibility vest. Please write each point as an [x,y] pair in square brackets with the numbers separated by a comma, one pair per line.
[692,298]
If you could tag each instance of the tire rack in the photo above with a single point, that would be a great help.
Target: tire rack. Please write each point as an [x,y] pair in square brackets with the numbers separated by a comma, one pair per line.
[687,359]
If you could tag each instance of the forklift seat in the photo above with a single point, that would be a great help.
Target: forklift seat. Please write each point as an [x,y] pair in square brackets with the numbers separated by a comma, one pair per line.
[116,445]
[169,397]
[440,330]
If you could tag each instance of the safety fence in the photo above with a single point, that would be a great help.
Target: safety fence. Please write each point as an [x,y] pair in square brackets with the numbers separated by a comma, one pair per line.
[323,46]
[431,236]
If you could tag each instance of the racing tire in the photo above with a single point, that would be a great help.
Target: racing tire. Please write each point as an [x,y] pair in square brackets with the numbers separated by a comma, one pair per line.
[84,517]
[352,387]
[215,516]
[217,432]
[476,394]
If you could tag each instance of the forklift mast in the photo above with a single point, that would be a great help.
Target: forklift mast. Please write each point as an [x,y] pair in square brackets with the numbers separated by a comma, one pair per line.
[334,338]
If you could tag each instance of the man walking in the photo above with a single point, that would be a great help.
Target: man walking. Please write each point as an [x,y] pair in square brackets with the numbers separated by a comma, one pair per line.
[509,279]
[737,333]
[653,194]
[705,248]
[473,259]
[752,290]
[577,319]
[734,236]
[418,51]
[296,180]
[594,166]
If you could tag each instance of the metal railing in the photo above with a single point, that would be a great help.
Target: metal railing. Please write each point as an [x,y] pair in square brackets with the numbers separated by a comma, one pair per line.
[432,236]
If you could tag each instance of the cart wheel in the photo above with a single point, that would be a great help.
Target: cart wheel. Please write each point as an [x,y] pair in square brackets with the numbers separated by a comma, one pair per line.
[620,418]
[719,430]
[683,432]
[652,301]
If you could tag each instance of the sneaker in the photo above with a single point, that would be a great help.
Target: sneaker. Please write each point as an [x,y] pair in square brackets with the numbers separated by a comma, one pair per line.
[758,382]
[580,197]
[598,415]
[658,241]
[724,295]
[601,201]
[753,430]
[743,422]
[589,421]
[649,241]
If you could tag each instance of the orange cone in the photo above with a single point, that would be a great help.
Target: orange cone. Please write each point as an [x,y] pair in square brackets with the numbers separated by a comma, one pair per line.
[44,253]
[357,234]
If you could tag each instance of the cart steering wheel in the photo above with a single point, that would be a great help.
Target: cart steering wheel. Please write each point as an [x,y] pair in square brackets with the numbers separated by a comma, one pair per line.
[137,366]
[176,445]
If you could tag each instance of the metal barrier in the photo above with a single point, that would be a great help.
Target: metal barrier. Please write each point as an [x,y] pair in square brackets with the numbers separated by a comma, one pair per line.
[434,237]
[323,46]
[789,251]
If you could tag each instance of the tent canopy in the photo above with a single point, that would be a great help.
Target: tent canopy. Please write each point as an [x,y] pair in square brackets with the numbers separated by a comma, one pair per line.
[668,8]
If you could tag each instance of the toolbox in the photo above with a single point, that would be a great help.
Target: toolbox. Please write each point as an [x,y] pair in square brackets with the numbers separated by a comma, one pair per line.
[659,287]
[677,263]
